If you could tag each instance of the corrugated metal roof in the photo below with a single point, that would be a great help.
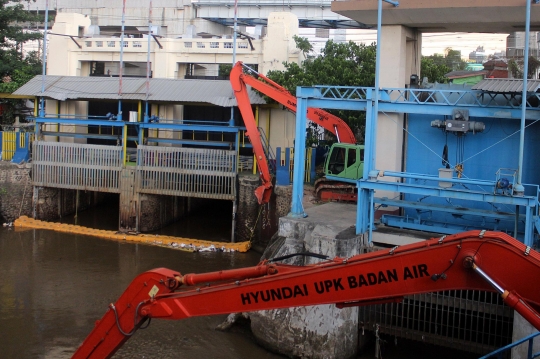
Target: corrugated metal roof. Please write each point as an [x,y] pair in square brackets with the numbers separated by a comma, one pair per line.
[506,85]
[216,92]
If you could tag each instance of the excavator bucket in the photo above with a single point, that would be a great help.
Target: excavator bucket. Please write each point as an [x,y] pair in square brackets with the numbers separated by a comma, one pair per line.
[263,194]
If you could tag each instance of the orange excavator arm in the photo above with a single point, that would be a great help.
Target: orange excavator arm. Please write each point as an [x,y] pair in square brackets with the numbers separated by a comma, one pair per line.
[273,90]
[264,191]
[239,80]
[476,260]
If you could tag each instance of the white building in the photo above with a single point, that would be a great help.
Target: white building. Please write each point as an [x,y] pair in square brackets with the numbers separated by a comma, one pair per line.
[80,45]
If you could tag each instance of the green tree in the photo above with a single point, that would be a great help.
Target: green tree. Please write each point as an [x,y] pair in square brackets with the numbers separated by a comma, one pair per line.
[515,66]
[224,70]
[454,60]
[339,64]
[16,66]
[303,45]
[433,69]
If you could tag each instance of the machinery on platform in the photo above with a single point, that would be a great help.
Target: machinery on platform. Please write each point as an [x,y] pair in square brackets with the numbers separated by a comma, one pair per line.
[470,260]
[344,159]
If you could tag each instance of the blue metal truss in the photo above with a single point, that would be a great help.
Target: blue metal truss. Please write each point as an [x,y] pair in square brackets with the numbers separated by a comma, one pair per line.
[419,101]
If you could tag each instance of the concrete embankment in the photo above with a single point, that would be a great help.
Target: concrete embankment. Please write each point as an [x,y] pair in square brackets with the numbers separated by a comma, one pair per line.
[179,243]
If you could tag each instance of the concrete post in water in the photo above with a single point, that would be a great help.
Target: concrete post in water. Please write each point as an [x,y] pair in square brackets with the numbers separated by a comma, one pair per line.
[16,192]
[321,331]
[128,209]
[248,207]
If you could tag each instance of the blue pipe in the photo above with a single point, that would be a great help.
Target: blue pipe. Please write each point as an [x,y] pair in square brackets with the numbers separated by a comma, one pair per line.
[524,91]
[297,210]
[375,113]
[148,70]
[434,178]
[44,68]
[371,215]
[119,117]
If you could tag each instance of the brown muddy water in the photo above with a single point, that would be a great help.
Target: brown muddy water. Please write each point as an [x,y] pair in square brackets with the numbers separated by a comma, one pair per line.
[54,286]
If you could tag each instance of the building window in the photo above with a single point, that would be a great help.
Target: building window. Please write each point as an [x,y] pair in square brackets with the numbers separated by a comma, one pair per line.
[111,43]
[200,45]
[88,43]
[126,44]
[242,45]
[214,45]
[99,43]
[187,45]
[137,44]
[228,45]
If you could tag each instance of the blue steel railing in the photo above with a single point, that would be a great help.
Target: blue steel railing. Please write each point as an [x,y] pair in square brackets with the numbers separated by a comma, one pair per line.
[530,355]
[442,97]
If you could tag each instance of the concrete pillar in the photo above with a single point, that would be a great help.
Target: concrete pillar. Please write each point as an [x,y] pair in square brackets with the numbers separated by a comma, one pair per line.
[320,331]
[15,192]
[278,45]
[248,208]
[523,328]
[128,201]
[400,58]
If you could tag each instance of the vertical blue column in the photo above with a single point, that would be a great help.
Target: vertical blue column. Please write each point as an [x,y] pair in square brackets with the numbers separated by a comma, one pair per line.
[369,141]
[141,134]
[297,210]
[27,141]
[528,236]
[17,141]
[361,211]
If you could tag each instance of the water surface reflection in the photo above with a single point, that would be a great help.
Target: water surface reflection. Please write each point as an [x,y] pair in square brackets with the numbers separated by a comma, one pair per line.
[55,285]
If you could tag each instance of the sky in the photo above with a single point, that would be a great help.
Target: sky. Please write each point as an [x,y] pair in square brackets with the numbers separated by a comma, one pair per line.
[432,43]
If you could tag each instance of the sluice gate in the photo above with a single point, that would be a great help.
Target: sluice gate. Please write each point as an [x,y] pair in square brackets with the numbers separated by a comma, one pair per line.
[187,172]
[77,166]
[157,172]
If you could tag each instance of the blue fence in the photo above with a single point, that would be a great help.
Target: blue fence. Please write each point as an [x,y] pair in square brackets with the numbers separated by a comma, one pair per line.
[15,146]
[285,165]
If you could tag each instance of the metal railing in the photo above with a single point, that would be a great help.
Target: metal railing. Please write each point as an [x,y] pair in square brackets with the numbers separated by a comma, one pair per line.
[188,172]
[442,97]
[10,141]
[77,166]
[470,320]
[501,351]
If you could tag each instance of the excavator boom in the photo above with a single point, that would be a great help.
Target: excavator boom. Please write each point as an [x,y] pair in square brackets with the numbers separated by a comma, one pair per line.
[239,80]
[280,94]
[471,260]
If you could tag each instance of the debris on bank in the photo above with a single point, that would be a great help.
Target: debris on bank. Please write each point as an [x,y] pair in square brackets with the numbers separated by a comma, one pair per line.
[178,243]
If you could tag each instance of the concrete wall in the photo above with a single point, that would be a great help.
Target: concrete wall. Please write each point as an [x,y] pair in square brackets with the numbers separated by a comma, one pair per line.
[15,191]
[321,331]
[523,328]
[67,59]
[400,58]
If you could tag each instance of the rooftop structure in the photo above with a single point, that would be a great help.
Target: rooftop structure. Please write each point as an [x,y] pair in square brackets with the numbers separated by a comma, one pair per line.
[438,16]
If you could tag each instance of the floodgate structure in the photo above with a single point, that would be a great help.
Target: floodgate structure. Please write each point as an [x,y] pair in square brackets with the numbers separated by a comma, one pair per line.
[438,159]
